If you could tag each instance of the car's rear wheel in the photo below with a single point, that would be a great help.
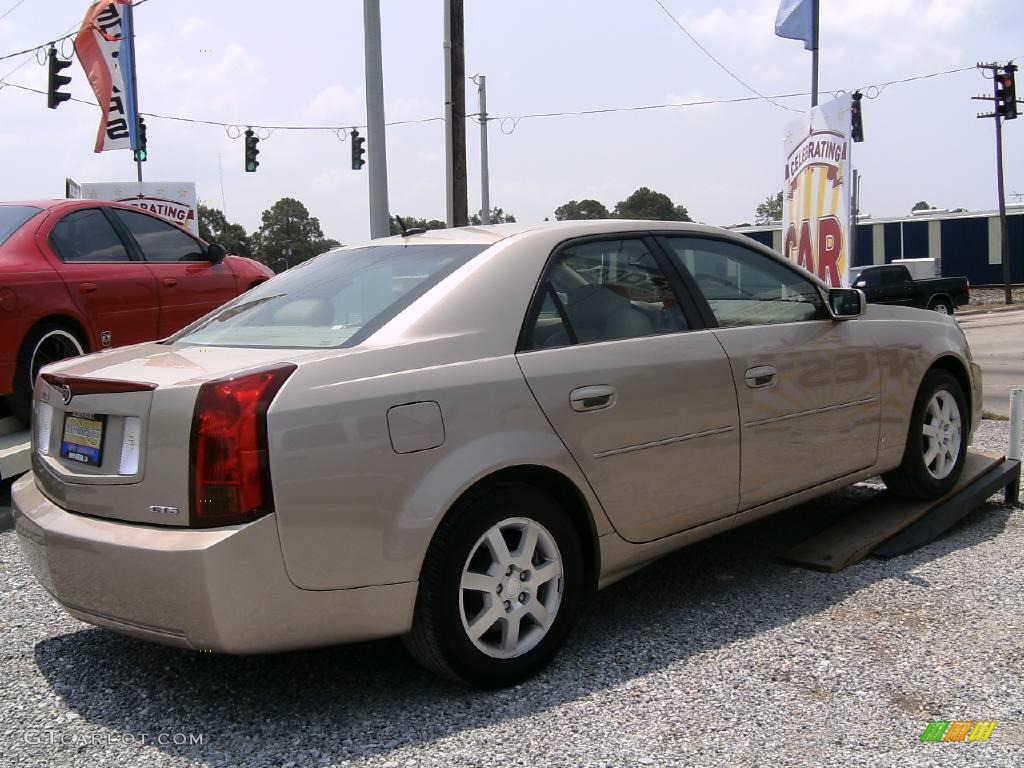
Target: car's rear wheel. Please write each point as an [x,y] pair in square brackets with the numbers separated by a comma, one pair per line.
[46,343]
[500,588]
[937,441]
[942,306]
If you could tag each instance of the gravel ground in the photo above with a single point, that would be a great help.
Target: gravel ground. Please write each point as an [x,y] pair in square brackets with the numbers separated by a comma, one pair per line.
[715,656]
[986,296]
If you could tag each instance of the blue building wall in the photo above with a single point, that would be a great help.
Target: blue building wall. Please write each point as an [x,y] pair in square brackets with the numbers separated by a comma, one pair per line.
[964,243]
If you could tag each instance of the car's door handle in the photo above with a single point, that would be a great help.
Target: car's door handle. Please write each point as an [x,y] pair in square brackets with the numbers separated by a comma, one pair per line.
[170,282]
[592,398]
[87,287]
[761,376]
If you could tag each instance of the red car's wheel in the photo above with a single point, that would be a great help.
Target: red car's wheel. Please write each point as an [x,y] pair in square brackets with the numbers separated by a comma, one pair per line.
[46,343]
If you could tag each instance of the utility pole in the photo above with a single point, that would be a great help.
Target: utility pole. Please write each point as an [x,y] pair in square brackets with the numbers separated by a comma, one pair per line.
[455,115]
[485,176]
[377,151]
[1002,111]
[814,55]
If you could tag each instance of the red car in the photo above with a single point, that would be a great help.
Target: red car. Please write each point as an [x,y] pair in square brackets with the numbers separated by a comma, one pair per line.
[80,276]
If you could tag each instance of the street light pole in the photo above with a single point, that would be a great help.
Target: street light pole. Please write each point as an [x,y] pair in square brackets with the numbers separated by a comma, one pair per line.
[376,149]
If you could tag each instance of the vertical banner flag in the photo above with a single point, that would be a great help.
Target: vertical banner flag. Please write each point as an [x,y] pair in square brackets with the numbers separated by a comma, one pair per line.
[795,21]
[104,47]
[816,197]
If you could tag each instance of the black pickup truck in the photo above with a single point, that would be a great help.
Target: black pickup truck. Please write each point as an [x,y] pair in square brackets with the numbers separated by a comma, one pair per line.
[892,284]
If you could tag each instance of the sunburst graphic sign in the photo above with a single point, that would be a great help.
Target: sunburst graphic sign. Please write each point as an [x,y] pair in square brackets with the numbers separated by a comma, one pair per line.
[816,195]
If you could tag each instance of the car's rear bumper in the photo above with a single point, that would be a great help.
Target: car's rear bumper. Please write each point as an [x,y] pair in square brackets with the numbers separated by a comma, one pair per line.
[224,590]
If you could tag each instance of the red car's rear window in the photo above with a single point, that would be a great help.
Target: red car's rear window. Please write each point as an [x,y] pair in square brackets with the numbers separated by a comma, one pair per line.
[12,217]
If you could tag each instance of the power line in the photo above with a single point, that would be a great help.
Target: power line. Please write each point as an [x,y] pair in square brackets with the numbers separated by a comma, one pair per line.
[871,91]
[11,9]
[724,68]
[56,40]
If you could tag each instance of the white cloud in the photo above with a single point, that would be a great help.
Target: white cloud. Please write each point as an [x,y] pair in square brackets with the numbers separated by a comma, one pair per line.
[190,25]
[334,104]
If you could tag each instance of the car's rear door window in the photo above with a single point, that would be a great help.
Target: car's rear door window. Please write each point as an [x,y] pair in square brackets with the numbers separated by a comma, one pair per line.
[337,299]
[744,287]
[602,290]
[159,240]
[86,236]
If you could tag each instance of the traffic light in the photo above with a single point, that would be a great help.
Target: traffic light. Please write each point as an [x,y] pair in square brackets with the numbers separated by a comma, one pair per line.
[1006,92]
[251,163]
[357,150]
[857,118]
[54,96]
[141,154]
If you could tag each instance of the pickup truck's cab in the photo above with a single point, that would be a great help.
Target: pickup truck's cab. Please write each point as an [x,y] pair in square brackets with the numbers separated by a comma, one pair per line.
[893,284]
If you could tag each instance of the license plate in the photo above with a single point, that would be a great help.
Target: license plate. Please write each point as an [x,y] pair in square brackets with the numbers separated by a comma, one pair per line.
[83,438]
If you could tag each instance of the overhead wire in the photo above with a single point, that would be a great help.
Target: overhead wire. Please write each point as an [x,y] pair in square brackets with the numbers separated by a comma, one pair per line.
[706,52]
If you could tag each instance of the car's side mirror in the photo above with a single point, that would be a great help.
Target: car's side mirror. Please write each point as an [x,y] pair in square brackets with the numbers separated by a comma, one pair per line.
[215,253]
[846,303]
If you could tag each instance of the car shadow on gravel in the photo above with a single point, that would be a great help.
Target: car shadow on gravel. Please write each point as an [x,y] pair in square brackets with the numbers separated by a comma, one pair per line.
[357,701]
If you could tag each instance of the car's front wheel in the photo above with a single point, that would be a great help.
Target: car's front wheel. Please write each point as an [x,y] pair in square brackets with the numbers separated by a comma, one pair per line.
[500,588]
[937,441]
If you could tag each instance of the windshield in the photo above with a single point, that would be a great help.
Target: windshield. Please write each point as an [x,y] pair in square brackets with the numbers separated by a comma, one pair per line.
[12,217]
[334,300]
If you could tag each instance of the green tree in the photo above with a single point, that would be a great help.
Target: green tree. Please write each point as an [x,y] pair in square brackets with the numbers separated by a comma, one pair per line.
[411,222]
[288,235]
[215,228]
[921,205]
[645,203]
[769,210]
[498,216]
[576,210]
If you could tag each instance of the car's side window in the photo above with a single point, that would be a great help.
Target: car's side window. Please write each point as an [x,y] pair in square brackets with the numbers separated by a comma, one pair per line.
[744,287]
[605,290]
[159,240]
[87,236]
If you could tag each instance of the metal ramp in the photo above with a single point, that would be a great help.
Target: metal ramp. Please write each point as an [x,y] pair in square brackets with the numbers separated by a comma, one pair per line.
[888,525]
[14,448]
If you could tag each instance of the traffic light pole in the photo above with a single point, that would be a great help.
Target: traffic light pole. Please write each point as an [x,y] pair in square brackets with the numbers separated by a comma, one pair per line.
[998,113]
[380,225]
[129,11]
[1004,227]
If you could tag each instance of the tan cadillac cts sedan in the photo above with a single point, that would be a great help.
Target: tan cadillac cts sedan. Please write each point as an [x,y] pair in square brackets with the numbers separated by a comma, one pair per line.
[455,436]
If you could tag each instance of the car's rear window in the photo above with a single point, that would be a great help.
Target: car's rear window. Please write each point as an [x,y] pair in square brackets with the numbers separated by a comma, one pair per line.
[12,217]
[334,300]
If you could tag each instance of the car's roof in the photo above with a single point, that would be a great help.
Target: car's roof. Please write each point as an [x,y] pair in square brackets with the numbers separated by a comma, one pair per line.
[488,234]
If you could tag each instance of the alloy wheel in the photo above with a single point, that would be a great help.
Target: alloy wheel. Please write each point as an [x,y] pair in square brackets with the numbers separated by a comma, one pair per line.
[511,588]
[941,433]
[55,345]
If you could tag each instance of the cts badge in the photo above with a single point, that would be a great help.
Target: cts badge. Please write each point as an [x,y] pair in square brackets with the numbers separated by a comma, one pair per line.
[159,510]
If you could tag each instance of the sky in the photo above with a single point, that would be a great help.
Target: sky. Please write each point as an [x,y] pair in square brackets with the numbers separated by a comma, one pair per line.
[301,63]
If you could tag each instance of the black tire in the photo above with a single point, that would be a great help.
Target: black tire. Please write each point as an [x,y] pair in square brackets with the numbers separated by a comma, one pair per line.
[942,306]
[439,640]
[913,478]
[31,357]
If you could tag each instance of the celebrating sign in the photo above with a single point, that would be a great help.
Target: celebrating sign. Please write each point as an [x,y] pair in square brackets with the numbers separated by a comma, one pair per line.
[816,198]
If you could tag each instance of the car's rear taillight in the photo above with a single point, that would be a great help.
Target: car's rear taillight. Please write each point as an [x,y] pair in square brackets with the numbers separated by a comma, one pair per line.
[230,470]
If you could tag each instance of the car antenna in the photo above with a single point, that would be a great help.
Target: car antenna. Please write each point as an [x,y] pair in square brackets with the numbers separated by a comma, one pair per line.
[407,232]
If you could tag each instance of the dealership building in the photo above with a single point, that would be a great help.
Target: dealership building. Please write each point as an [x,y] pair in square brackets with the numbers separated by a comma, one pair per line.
[962,243]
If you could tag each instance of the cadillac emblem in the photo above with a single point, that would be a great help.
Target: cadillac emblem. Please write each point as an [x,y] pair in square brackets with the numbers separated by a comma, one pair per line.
[66,393]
